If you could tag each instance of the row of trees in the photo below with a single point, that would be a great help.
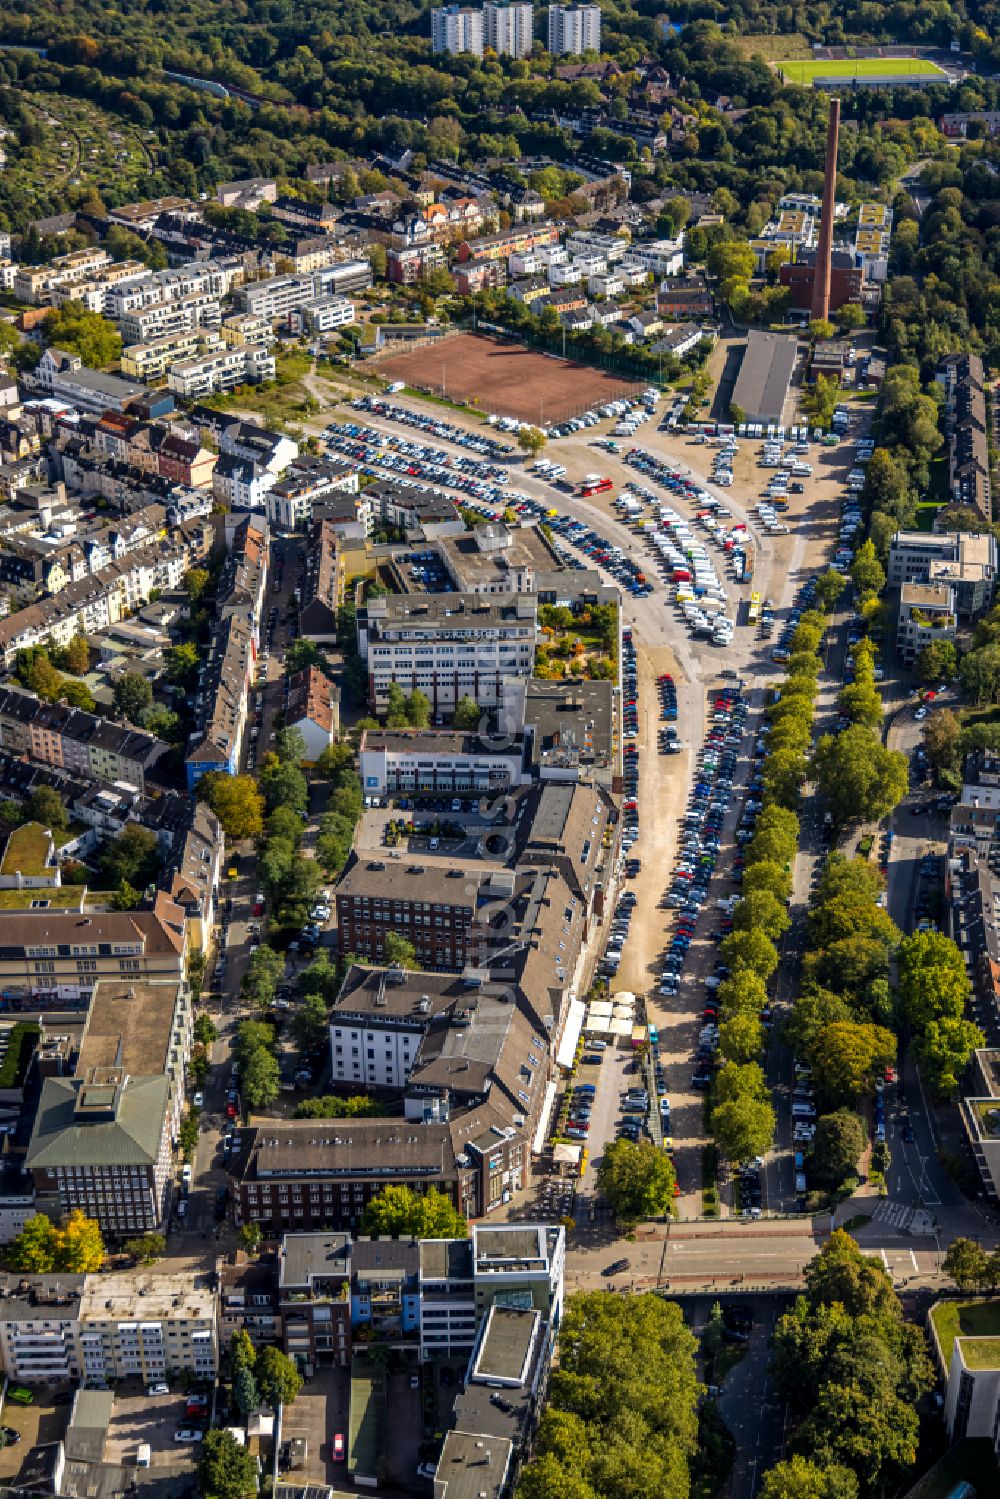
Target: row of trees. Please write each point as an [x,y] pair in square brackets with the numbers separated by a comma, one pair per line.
[852,1371]
[622,1414]
[43,1247]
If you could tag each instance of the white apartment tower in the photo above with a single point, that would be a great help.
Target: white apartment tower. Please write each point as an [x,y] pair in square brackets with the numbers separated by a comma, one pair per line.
[574,29]
[507,27]
[457,28]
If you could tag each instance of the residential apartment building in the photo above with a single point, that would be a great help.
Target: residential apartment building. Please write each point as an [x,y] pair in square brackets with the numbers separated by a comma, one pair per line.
[312,705]
[965,421]
[289,502]
[39,1327]
[410,264]
[507,27]
[325,315]
[210,278]
[152,361]
[448,645]
[148,1325]
[151,321]
[967,560]
[926,613]
[54,957]
[980,1112]
[221,370]
[225,677]
[574,29]
[285,294]
[36,283]
[497,247]
[322,585]
[456,29]
[314,1296]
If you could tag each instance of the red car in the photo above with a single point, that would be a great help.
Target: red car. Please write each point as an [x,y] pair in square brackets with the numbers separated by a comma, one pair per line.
[890,1074]
[230,1111]
[337,1447]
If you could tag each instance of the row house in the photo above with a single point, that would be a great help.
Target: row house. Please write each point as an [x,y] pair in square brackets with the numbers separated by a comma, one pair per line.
[155,448]
[106,597]
[965,419]
[76,741]
[511,241]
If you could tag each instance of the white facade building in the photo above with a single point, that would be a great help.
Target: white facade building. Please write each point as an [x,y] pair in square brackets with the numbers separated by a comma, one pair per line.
[221,369]
[457,28]
[507,27]
[574,29]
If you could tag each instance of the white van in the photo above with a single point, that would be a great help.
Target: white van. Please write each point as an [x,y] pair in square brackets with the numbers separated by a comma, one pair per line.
[144,1456]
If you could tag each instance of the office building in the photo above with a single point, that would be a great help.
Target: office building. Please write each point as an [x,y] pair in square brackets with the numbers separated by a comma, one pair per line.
[574,29]
[965,559]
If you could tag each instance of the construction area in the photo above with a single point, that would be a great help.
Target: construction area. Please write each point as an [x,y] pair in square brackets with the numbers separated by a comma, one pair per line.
[504,378]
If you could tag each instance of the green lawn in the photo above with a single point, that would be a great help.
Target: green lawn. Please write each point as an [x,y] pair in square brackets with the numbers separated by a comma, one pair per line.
[971,1461]
[967,1319]
[795,70]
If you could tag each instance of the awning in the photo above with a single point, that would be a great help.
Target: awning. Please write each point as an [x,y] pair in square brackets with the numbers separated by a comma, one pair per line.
[538,1143]
[566,1154]
[571,1033]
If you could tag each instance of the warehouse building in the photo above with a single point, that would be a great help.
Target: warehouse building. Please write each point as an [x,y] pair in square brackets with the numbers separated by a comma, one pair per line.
[762,384]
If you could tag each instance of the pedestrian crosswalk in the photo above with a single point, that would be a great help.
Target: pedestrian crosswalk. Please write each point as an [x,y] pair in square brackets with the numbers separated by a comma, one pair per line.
[896,1214]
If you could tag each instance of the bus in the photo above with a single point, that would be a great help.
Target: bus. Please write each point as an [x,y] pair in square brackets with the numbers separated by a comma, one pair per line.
[754,614]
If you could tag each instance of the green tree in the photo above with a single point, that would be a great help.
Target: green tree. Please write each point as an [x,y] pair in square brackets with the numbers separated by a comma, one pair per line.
[226,1469]
[278,1380]
[94,338]
[741,1038]
[744,992]
[300,654]
[467,714]
[133,695]
[395,707]
[937,661]
[979,674]
[942,737]
[858,778]
[245,1391]
[760,911]
[637,1180]
[283,785]
[867,573]
[196,580]
[531,441]
[250,1237]
[45,805]
[848,1058]
[753,950]
[310,1023]
[290,746]
[837,1146]
[944,1051]
[829,586]
[125,898]
[236,802]
[800,1478]
[182,663]
[418,709]
[766,875]
[398,952]
[842,1273]
[263,974]
[401,1213]
[967,1263]
[35,1248]
[132,858]
[932,979]
[147,1248]
[205,1030]
[78,656]
[743,1128]
[241,1353]
[821,328]
[260,1080]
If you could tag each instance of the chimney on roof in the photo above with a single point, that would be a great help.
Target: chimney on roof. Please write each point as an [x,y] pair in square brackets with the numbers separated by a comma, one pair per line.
[821,276]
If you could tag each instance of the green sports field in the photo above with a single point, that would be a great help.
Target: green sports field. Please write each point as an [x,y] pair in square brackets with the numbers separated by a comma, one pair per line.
[799,71]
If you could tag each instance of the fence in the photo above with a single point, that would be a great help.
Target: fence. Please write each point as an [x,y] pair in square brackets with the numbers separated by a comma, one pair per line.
[619,362]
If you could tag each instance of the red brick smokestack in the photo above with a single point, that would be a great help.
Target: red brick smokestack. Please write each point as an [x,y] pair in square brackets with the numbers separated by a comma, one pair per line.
[821,279]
